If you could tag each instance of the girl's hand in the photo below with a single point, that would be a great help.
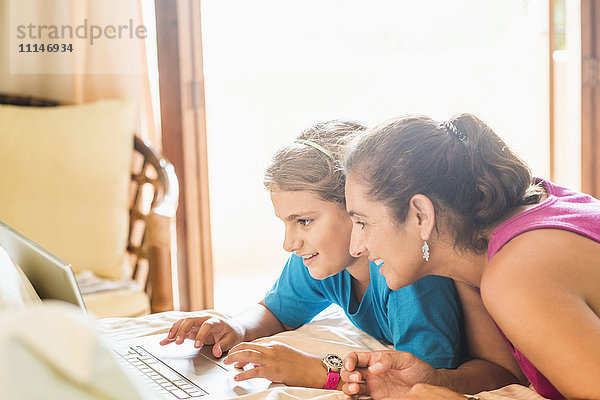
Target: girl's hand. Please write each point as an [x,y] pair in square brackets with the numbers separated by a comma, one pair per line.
[278,362]
[383,374]
[222,333]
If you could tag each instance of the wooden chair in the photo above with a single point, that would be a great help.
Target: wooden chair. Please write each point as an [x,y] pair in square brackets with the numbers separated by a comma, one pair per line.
[154,192]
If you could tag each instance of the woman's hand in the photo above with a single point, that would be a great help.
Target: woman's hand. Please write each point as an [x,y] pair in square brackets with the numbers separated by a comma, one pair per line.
[383,374]
[277,362]
[221,332]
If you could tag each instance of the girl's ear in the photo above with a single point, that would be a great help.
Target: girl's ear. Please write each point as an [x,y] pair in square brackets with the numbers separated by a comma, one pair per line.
[422,212]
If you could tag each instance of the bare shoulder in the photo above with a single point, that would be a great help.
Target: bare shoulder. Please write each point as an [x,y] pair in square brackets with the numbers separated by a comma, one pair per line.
[545,259]
[543,290]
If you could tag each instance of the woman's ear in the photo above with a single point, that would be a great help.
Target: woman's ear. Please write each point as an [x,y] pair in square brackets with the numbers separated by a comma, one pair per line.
[422,212]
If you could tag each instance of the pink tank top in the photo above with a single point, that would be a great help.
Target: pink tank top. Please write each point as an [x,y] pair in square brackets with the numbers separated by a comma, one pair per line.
[563,209]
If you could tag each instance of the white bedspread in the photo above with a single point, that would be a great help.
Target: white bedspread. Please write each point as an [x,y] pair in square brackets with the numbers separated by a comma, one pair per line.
[330,332]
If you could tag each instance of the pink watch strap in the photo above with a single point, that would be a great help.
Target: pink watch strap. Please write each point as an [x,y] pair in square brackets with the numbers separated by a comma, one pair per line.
[332,380]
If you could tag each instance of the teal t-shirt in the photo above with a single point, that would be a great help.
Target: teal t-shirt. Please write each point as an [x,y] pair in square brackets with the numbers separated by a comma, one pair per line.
[423,318]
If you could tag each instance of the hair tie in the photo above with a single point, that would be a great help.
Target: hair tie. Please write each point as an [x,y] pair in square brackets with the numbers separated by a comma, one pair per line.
[451,128]
[316,146]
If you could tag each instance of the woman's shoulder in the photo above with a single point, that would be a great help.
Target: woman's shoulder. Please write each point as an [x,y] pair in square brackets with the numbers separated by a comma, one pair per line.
[556,257]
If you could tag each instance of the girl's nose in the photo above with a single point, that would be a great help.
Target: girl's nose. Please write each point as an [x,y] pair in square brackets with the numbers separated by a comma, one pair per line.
[291,242]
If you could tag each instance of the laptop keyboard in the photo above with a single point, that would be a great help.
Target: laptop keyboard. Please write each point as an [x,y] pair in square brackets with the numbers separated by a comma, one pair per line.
[164,380]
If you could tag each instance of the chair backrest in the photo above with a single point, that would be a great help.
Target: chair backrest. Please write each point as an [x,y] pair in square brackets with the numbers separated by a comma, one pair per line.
[154,192]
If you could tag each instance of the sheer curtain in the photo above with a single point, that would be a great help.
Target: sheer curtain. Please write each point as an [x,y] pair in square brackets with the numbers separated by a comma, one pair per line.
[273,68]
[100,69]
[106,67]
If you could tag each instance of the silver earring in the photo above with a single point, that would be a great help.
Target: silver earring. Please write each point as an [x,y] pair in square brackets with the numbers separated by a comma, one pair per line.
[425,249]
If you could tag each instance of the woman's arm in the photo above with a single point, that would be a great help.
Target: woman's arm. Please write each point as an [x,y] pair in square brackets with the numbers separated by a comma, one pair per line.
[543,289]
[392,373]
[491,365]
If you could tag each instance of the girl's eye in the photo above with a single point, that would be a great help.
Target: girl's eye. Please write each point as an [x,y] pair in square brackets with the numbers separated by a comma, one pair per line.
[304,222]
[361,224]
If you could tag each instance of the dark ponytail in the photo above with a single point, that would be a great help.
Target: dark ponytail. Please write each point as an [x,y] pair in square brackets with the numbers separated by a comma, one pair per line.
[468,172]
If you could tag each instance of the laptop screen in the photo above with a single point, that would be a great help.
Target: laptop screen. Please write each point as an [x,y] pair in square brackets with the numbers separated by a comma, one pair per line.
[51,277]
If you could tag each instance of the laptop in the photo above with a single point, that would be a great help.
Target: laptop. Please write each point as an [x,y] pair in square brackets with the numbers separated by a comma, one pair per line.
[170,372]
[182,371]
[51,277]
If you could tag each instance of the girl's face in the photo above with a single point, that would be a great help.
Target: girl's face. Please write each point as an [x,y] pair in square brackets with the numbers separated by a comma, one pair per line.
[376,234]
[316,230]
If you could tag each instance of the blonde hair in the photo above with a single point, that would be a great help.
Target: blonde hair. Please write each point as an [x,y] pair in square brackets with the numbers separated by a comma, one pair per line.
[300,166]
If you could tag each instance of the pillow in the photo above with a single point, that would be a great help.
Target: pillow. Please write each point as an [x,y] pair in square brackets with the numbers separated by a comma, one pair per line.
[15,289]
[54,352]
[65,175]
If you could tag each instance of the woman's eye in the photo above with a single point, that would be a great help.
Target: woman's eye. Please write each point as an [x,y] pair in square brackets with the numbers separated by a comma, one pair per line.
[361,224]
[304,222]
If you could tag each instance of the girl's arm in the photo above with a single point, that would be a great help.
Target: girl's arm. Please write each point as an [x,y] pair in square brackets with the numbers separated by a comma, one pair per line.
[259,321]
[279,362]
[224,333]
[294,286]
[543,289]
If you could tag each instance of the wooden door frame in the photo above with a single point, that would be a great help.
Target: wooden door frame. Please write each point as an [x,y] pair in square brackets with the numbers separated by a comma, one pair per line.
[183,121]
[590,97]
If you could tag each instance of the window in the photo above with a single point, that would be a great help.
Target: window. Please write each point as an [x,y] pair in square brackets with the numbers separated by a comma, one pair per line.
[273,68]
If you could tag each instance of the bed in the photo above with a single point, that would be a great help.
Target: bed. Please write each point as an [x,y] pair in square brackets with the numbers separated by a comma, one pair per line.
[55,351]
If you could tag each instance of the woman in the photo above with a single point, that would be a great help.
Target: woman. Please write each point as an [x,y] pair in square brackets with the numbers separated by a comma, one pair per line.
[464,206]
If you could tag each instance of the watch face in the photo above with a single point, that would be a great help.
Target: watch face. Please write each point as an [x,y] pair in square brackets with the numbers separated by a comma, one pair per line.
[334,362]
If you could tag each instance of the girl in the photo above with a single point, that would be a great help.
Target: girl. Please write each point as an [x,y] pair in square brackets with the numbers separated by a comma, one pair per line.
[307,191]
[464,206]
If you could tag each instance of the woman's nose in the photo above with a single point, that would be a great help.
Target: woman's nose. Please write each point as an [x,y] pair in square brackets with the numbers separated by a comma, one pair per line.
[357,246]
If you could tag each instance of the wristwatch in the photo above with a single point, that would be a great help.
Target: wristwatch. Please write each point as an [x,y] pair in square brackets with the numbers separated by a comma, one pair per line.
[333,364]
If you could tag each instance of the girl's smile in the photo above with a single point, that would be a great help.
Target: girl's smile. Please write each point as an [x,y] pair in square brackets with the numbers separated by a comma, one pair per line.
[308,259]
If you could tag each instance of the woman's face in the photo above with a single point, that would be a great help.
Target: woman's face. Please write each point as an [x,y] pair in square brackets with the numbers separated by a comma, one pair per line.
[316,230]
[376,234]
